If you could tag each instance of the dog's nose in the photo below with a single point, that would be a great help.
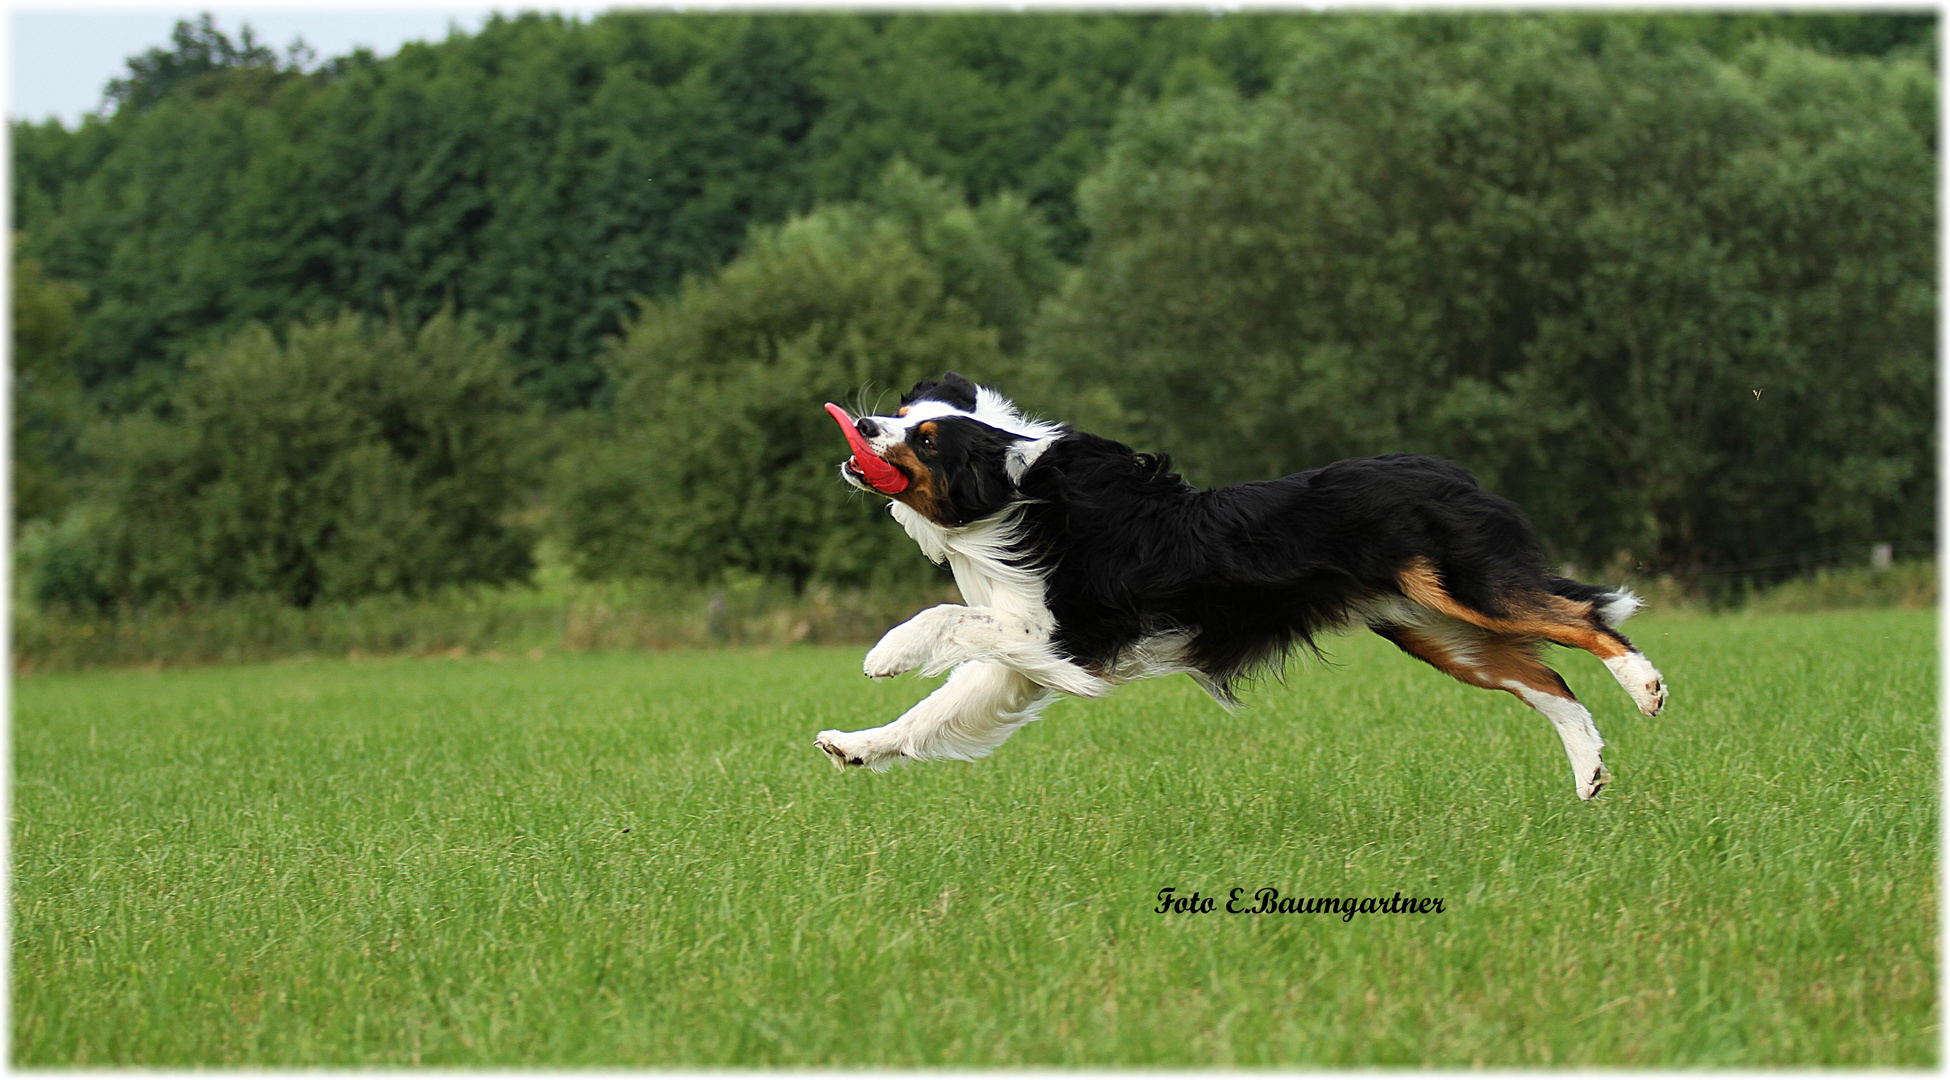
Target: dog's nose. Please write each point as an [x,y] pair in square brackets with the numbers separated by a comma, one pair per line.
[867,427]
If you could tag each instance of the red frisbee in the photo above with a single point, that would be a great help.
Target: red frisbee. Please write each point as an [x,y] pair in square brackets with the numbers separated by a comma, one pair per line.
[873,468]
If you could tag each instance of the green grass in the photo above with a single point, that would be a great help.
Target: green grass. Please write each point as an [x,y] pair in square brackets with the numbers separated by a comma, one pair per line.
[640,859]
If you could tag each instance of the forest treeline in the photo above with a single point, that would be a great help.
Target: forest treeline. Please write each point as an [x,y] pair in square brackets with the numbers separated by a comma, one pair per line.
[315,332]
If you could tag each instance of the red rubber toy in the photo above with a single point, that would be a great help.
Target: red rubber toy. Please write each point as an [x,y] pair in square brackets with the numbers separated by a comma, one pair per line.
[872,468]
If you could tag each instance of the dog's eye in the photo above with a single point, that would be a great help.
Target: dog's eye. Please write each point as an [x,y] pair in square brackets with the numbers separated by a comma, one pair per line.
[927,440]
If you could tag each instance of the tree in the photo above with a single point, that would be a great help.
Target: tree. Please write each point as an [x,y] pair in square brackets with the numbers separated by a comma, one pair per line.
[49,408]
[1681,308]
[198,51]
[543,174]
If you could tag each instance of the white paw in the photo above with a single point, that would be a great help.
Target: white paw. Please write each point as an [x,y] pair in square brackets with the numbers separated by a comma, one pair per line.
[1593,781]
[1641,680]
[854,748]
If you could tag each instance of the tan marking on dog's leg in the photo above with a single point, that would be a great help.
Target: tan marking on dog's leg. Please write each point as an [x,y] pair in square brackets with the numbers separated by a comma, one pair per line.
[1511,664]
[1448,651]
[1553,618]
[1546,621]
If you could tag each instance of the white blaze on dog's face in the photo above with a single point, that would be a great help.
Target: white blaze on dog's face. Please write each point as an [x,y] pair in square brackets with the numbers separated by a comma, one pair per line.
[961,447]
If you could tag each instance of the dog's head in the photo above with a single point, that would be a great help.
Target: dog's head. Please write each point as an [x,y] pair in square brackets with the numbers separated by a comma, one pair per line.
[952,452]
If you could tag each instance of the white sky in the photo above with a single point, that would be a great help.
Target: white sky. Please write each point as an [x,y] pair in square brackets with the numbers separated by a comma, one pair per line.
[60,57]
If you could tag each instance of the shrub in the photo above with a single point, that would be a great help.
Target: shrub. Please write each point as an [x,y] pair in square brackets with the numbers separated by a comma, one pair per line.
[717,458]
[344,460]
[1908,584]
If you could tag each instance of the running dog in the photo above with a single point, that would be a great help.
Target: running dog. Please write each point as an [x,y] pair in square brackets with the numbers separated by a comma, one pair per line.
[1086,565]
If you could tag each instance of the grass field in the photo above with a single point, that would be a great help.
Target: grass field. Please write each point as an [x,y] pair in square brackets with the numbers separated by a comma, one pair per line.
[640,859]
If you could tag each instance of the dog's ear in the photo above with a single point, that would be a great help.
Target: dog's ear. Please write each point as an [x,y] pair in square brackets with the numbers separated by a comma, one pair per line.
[949,388]
[962,390]
[974,458]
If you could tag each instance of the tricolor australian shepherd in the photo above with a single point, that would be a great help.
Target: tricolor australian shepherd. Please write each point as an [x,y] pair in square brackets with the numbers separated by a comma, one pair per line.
[1085,565]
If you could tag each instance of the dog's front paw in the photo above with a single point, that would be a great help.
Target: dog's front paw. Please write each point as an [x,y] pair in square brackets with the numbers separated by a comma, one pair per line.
[837,754]
[853,749]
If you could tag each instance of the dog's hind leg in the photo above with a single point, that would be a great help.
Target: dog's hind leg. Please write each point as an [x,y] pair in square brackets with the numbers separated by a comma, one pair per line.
[1604,609]
[1543,615]
[950,635]
[1504,662]
[967,717]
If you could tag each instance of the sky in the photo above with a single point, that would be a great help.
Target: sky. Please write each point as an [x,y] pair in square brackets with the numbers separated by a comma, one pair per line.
[60,57]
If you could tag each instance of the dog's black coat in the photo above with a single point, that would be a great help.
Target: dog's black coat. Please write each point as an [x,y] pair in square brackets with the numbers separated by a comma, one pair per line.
[1128,549]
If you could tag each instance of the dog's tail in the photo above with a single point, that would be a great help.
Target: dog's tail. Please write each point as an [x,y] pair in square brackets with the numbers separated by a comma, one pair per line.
[1612,606]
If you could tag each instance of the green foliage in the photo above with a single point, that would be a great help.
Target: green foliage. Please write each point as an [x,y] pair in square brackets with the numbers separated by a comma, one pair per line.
[1908,584]
[1677,306]
[199,51]
[340,462]
[998,102]
[542,174]
[48,161]
[717,456]
[49,407]
[1666,279]
[1851,33]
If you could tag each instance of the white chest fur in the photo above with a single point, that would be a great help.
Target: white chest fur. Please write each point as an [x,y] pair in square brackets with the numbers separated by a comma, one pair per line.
[980,556]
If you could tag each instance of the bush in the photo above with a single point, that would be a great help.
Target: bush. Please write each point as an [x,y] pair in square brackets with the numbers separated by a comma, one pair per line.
[717,458]
[343,461]
[1907,584]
